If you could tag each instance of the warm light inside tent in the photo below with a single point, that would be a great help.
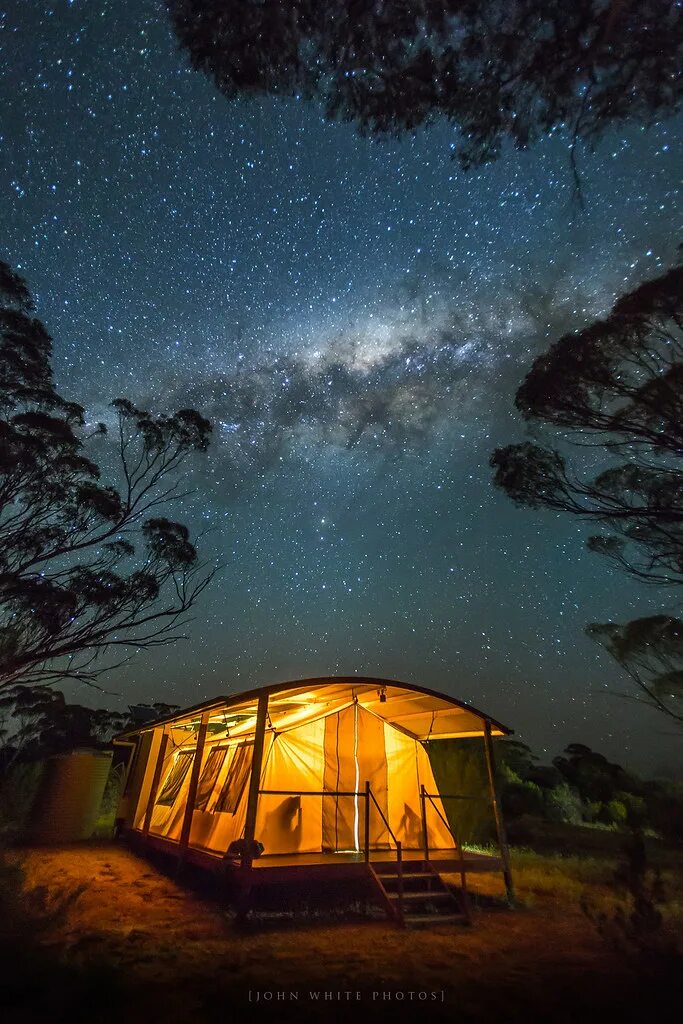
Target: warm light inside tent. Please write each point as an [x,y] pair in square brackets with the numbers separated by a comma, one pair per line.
[320,745]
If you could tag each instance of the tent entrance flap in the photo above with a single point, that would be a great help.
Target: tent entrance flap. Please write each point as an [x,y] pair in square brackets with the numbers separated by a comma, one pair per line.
[354,753]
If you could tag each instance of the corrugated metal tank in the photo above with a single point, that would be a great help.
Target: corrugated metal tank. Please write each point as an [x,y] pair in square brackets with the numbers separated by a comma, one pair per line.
[68,801]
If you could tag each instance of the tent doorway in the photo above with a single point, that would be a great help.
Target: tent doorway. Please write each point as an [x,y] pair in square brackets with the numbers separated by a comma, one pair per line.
[354,754]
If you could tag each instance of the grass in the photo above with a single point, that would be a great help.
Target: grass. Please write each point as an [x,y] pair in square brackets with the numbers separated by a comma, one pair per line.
[126,942]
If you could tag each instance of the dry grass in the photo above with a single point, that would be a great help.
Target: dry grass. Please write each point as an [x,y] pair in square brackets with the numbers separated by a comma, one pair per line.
[158,951]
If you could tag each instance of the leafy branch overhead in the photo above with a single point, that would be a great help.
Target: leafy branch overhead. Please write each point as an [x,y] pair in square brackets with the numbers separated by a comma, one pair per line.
[614,394]
[86,567]
[500,70]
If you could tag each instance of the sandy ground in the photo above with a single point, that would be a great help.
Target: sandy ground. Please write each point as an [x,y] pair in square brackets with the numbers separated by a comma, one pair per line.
[133,945]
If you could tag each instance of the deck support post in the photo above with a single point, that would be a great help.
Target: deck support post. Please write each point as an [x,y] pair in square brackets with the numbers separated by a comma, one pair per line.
[156,778]
[192,790]
[497,812]
[252,807]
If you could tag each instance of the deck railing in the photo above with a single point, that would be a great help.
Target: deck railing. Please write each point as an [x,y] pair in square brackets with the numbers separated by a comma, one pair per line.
[369,798]
[425,796]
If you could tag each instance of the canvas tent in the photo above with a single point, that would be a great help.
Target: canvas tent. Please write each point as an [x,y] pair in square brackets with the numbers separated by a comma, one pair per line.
[291,766]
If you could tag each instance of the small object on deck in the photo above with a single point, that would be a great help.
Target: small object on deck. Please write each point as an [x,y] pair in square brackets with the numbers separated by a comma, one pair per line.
[245,847]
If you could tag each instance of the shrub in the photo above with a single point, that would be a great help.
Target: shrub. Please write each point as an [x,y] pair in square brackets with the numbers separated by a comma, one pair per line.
[520,798]
[636,809]
[563,804]
[614,812]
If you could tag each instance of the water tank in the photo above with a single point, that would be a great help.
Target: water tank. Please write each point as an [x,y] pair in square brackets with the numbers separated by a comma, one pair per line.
[68,801]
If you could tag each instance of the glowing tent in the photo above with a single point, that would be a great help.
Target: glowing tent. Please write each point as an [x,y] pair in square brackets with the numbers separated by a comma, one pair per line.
[320,767]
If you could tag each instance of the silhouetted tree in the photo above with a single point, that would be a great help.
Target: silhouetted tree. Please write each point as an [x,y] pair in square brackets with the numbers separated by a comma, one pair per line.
[592,775]
[498,69]
[516,756]
[38,721]
[651,651]
[85,568]
[616,388]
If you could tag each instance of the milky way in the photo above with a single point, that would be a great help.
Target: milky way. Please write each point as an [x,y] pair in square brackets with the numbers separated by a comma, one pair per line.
[354,317]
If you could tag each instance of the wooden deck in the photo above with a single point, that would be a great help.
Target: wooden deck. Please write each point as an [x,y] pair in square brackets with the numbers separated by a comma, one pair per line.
[279,881]
[443,860]
[273,868]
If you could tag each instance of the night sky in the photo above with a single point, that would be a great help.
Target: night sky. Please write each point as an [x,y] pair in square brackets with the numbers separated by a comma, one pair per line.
[354,316]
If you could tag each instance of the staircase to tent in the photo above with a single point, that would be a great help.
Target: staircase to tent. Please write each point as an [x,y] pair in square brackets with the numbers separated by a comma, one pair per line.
[419,897]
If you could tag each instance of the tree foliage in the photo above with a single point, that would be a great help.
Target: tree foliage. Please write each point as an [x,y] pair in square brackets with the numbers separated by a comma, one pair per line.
[594,777]
[615,389]
[581,786]
[86,567]
[38,721]
[651,651]
[500,70]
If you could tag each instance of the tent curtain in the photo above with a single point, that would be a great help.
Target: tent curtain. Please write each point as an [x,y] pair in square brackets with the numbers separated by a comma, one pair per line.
[290,821]
[353,755]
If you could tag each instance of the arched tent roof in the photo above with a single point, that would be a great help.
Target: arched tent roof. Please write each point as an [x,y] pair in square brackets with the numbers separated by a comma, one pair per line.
[421,713]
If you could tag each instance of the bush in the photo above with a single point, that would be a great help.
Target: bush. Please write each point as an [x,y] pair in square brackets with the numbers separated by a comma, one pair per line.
[520,798]
[636,809]
[614,812]
[592,809]
[563,804]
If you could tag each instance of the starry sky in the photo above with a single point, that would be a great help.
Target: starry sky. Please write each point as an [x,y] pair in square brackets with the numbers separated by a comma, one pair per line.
[354,316]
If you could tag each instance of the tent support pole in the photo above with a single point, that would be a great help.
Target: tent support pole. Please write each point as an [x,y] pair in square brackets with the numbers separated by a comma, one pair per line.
[192,790]
[425,832]
[252,807]
[497,813]
[156,778]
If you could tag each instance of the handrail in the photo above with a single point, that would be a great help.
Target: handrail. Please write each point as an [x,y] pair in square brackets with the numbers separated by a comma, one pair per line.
[369,795]
[461,859]
[455,796]
[310,792]
[430,797]
[372,796]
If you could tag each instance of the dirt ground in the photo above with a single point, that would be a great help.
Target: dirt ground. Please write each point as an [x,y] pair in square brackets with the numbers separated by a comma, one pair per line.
[130,944]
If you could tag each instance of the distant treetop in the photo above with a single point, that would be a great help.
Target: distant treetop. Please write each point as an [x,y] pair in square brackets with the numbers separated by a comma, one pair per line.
[500,70]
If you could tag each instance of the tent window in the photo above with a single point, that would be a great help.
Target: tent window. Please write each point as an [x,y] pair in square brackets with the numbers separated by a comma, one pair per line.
[236,779]
[175,778]
[210,773]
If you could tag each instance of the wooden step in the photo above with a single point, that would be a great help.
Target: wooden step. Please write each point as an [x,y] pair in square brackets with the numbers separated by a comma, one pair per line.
[408,905]
[421,882]
[418,920]
[423,897]
[419,867]
[393,877]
